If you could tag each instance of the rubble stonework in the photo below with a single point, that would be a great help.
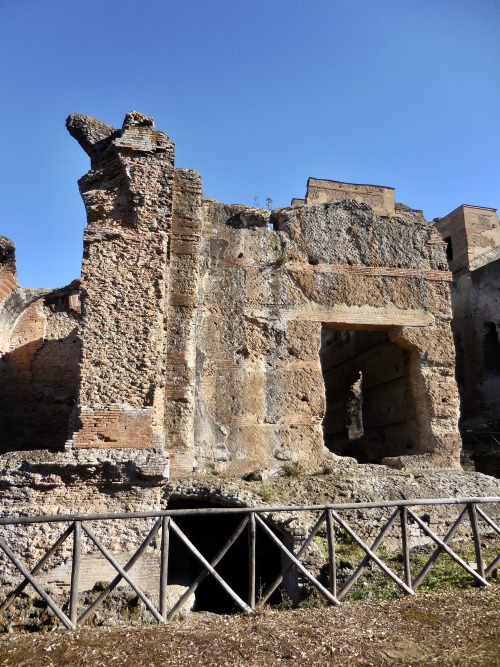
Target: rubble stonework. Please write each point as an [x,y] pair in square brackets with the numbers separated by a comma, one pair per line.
[219,336]
[207,341]
[128,199]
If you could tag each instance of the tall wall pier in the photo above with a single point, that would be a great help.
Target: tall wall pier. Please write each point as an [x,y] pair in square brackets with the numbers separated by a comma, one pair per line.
[128,198]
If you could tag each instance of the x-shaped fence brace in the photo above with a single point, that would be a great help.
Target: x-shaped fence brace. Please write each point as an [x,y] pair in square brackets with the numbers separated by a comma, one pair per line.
[252,519]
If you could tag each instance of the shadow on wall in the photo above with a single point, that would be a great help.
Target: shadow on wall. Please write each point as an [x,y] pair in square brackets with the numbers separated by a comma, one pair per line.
[39,383]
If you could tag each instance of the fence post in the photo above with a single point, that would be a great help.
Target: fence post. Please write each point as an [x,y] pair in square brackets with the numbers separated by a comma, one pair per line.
[75,571]
[251,560]
[471,508]
[332,565]
[165,543]
[403,513]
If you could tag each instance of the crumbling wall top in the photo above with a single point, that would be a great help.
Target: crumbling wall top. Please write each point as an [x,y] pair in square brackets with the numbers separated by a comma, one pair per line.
[472,234]
[137,134]
[7,251]
[8,279]
[322,191]
[92,135]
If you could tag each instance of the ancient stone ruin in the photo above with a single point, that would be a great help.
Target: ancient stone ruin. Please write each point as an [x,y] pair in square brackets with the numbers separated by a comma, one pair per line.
[209,347]
[472,235]
[219,336]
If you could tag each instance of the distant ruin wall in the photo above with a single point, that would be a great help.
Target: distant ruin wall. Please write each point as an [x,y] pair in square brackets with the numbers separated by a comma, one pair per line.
[476,327]
[380,198]
[473,237]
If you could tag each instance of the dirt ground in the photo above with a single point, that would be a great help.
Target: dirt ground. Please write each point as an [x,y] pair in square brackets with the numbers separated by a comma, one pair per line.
[452,628]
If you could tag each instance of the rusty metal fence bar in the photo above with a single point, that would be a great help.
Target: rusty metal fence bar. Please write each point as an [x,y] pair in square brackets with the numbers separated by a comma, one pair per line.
[255,521]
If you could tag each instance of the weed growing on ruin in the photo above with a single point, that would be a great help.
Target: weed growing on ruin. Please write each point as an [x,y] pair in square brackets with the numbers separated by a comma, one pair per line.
[324,470]
[312,600]
[286,603]
[293,470]
[283,259]
[266,491]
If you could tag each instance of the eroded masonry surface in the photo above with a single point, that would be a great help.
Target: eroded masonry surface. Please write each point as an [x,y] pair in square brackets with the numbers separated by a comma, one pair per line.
[225,338]
[218,335]
[209,350]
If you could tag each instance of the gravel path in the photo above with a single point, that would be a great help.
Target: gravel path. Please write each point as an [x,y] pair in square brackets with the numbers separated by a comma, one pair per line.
[448,628]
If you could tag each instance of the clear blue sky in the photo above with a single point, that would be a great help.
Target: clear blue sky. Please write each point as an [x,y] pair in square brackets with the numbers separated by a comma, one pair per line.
[257,95]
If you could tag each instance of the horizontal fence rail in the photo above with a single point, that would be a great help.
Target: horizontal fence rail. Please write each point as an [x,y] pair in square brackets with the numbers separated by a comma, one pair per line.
[365,526]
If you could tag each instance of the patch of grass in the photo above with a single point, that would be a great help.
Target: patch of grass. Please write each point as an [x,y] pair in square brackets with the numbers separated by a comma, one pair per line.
[322,544]
[266,491]
[293,470]
[446,574]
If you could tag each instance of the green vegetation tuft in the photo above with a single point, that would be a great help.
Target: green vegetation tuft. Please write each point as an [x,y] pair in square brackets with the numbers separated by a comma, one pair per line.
[293,470]
[266,491]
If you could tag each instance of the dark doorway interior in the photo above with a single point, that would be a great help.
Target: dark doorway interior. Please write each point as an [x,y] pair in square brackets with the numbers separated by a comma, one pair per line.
[491,349]
[370,407]
[209,534]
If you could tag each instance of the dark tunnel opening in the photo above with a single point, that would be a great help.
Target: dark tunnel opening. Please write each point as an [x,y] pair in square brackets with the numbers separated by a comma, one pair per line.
[209,534]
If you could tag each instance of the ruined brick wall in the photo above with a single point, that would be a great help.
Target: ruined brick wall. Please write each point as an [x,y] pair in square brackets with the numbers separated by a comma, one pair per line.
[202,322]
[322,191]
[476,327]
[266,293]
[128,199]
[39,369]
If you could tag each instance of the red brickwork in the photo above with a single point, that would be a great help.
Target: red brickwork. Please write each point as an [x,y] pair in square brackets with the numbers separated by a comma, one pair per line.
[115,427]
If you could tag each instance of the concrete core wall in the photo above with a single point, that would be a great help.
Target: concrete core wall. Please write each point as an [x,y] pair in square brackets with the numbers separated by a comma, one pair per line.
[202,322]
[266,289]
